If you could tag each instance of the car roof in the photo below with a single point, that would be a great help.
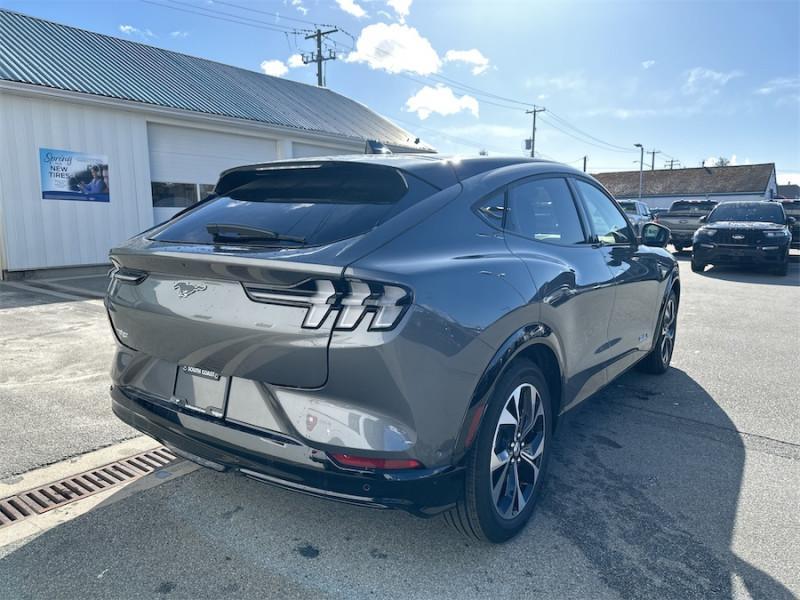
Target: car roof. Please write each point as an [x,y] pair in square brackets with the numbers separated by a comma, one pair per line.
[440,170]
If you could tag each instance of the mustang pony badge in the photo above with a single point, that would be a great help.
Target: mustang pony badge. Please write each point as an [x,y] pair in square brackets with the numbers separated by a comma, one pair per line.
[186,289]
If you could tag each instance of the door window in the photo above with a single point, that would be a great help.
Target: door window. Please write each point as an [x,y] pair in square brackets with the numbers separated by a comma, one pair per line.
[544,210]
[608,223]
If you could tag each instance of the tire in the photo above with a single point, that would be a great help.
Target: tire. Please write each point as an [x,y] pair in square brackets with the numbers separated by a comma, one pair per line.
[478,515]
[782,270]
[698,267]
[678,247]
[657,361]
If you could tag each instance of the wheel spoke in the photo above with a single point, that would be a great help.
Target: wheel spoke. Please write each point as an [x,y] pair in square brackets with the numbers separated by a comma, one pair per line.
[533,451]
[519,497]
[506,418]
[498,490]
[498,460]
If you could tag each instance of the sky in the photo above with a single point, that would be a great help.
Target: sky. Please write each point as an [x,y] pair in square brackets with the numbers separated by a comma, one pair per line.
[693,80]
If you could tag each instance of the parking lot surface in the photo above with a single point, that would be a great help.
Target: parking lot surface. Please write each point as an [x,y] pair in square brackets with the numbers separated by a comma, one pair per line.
[680,486]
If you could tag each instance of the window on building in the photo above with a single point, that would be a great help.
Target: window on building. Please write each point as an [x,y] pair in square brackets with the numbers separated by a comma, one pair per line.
[173,195]
[543,210]
[609,225]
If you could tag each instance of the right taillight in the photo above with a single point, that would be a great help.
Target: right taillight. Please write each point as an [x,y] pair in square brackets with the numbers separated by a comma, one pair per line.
[351,301]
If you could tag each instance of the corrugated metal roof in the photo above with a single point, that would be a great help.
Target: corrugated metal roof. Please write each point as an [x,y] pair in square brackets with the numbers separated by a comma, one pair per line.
[44,53]
[690,182]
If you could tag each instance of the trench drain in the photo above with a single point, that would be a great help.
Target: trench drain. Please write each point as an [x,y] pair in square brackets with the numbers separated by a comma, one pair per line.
[14,509]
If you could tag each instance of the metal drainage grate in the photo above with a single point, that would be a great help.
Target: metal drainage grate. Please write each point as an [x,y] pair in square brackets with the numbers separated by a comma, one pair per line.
[47,497]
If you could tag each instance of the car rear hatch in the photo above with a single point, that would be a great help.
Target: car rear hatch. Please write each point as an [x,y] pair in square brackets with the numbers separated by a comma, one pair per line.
[249,284]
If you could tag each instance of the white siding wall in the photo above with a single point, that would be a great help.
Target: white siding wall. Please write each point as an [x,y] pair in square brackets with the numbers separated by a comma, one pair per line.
[52,233]
[192,155]
[301,150]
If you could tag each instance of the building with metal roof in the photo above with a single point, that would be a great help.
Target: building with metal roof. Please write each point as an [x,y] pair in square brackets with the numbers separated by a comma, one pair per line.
[661,187]
[101,137]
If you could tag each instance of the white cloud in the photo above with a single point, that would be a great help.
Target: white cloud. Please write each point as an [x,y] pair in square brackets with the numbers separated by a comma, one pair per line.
[401,7]
[298,4]
[132,31]
[179,34]
[395,48]
[274,67]
[779,84]
[295,61]
[352,8]
[646,64]
[707,82]
[440,100]
[472,57]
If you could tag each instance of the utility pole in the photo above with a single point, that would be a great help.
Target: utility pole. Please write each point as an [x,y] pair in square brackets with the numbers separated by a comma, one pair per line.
[672,162]
[641,168]
[533,129]
[584,163]
[317,56]
[652,154]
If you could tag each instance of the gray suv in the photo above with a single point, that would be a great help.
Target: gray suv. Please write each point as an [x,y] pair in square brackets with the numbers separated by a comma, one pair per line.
[391,331]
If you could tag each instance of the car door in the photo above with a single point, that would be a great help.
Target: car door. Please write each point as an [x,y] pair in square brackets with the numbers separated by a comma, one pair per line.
[635,271]
[546,231]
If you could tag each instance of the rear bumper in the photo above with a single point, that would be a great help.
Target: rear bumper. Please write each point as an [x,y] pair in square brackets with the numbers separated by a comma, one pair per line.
[286,462]
[755,255]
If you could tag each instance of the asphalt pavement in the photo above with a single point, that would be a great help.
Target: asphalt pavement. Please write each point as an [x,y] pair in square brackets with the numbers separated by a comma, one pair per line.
[677,487]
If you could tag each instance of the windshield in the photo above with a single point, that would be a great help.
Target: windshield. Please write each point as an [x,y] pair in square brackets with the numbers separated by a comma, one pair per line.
[628,207]
[693,206]
[291,207]
[757,211]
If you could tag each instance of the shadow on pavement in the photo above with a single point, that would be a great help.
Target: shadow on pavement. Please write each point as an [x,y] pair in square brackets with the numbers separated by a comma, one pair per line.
[641,503]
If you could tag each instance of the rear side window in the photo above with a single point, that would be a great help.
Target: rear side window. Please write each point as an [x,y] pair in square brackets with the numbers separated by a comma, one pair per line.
[544,210]
[299,205]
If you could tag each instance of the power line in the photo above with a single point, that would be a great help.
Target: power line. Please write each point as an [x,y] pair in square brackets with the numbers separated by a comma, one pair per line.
[560,124]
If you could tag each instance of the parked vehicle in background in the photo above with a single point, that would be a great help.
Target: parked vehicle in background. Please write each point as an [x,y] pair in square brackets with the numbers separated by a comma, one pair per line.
[638,213]
[754,233]
[683,219]
[392,331]
[792,209]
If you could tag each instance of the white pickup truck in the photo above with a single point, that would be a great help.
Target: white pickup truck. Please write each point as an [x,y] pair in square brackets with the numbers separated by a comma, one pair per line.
[683,219]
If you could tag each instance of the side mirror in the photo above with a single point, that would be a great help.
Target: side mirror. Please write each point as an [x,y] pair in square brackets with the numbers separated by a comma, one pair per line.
[655,235]
[790,221]
[703,219]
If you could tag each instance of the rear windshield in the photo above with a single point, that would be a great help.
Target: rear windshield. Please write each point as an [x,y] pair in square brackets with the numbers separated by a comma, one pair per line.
[299,205]
[768,212]
[628,207]
[693,206]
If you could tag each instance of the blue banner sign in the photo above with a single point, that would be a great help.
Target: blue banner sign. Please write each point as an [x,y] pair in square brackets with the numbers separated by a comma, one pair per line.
[68,175]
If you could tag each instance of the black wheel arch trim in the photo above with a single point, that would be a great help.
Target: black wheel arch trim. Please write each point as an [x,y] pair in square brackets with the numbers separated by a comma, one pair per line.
[523,338]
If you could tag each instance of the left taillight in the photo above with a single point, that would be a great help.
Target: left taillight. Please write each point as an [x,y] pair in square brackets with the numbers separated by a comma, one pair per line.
[126,275]
[351,301]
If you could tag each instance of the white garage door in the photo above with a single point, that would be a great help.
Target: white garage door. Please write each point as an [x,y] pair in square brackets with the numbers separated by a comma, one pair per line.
[300,150]
[186,162]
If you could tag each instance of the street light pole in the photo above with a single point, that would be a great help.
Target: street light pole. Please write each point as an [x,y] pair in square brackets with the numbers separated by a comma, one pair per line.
[641,167]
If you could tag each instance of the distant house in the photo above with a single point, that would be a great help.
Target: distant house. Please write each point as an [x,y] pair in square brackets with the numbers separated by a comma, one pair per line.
[662,187]
[790,191]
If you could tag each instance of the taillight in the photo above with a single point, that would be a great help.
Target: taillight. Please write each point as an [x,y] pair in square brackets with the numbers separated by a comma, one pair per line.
[363,462]
[352,300]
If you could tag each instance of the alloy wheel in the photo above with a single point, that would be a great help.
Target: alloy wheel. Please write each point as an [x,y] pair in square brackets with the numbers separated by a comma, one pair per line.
[517,451]
[668,328]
